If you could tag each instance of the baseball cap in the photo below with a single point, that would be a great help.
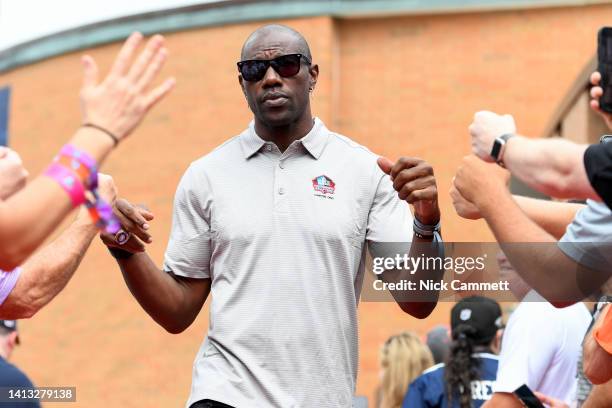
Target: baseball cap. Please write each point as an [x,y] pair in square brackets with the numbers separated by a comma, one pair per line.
[482,314]
[10,326]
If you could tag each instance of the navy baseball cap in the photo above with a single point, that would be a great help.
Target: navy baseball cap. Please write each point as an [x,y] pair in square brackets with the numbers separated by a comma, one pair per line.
[482,314]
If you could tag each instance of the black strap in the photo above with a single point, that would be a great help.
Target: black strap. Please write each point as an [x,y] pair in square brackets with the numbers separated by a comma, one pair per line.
[119,253]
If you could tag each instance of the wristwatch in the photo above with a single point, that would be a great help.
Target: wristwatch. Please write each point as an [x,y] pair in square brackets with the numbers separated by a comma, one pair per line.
[603,301]
[497,152]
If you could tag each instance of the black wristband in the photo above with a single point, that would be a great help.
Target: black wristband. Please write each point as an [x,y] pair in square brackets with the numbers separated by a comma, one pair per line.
[119,253]
[101,129]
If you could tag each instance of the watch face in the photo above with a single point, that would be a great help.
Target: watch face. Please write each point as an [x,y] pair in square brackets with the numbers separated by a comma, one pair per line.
[496,149]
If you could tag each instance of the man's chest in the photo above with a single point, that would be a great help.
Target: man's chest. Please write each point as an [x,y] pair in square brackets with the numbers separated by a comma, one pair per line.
[315,199]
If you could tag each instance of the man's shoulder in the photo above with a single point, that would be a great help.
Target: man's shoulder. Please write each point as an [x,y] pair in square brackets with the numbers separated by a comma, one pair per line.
[228,149]
[12,376]
[339,142]
[433,373]
[594,219]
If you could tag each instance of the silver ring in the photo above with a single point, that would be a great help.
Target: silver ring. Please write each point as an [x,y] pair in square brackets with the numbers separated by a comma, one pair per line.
[122,236]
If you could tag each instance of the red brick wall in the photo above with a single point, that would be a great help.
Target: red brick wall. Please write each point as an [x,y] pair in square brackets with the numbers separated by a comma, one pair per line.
[401,86]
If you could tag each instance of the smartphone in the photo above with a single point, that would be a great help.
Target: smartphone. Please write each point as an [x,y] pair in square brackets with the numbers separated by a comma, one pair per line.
[604,66]
[528,398]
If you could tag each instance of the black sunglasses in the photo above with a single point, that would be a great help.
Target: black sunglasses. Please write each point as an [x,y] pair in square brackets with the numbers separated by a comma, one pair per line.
[285,65]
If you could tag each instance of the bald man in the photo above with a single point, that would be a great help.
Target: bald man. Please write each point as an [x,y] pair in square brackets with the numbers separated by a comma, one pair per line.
[274,224]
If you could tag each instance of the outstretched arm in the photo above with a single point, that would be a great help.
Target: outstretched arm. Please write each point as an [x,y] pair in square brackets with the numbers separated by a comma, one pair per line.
[182,297]
[552,166]
[117,104]
[552,216]
[48,271]
[530,249]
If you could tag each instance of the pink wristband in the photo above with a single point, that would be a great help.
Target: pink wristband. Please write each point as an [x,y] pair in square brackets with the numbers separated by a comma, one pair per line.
[69,182]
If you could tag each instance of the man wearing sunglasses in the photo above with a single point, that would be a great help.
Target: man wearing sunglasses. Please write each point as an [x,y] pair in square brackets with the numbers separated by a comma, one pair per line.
[274,223]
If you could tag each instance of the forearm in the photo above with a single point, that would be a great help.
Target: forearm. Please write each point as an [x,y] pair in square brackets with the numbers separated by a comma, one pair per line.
[30,216]
[597,361]
[173,311]
[417,303]
[532,251]
[552,216]
[48,271]
[552,166]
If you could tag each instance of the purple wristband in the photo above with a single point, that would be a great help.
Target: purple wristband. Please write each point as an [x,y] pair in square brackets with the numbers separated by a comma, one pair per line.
[68,181]
[102,214]
[84,159]
[7,282]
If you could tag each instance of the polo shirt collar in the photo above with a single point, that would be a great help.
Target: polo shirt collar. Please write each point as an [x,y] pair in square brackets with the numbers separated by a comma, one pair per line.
[314,141]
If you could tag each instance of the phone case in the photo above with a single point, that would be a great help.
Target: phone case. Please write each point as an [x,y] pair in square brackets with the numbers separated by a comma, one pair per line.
[604,66]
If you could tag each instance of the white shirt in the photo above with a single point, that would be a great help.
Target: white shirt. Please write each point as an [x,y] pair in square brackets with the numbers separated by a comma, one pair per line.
[541,347]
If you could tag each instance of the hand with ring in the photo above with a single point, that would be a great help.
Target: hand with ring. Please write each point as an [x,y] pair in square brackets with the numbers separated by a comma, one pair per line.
[134,227]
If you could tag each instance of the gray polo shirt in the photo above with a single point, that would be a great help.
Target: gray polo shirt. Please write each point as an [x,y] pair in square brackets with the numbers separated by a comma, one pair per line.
[282,236]
[588,239]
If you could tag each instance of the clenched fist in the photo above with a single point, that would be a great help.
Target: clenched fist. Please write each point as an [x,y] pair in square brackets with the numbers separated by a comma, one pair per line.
[414,181]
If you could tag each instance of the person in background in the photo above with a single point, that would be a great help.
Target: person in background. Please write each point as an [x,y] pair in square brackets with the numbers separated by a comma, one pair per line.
[466,380]
[598,345]
[403,357]
[10,375]
[438,341]
[541,345]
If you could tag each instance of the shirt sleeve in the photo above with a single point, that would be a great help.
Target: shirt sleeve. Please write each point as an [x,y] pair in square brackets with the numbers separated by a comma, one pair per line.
[390,219]
[531,330]
[603,334]
[415,397]
[598,166]
[587,239]
[8,280]
[189,248]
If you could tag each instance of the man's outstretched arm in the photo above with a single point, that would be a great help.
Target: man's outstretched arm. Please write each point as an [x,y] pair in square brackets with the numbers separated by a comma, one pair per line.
[530,249]
[172,301]
[555,167]
[48,271]
[552,216]
[552,166]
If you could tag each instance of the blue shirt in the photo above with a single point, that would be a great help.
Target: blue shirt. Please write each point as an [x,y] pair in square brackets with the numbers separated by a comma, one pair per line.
[429,389]
[11,376]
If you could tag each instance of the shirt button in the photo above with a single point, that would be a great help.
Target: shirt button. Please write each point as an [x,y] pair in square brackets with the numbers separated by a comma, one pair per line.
[269,148]
[281,165]
[281,191]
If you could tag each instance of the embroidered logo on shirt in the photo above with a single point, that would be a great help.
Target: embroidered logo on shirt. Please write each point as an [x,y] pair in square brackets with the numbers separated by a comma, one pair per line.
[323,184]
